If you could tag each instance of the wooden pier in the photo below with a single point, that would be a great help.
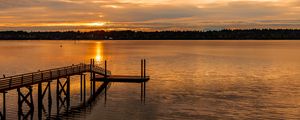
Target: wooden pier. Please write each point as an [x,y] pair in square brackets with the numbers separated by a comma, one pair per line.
[18,81]
[62,76]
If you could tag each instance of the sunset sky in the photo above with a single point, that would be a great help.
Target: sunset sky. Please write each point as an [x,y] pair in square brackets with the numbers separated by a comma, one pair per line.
[148,14]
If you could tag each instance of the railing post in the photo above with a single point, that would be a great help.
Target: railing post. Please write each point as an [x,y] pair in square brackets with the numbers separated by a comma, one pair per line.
[144,68]
[10,82]
[22,80]
[42,75]
[50,74]
[32,77]
[79,68]
[91,63]
[93,68]
[142,64]
[105,68]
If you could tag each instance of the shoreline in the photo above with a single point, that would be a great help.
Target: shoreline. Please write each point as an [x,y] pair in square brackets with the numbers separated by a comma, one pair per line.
[252,34]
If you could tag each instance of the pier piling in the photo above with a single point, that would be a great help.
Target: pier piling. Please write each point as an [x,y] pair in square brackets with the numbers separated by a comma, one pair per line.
[84,88]
[26,99]
[81,87]
[94,75]
[41,95]
[3,114]
[91,78]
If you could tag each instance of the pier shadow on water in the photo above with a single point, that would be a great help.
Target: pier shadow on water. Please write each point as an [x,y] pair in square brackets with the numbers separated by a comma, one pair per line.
[56,107]
[67,112]
[53,107]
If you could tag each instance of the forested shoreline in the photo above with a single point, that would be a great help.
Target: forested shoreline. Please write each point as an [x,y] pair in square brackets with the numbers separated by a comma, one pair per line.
[252,34]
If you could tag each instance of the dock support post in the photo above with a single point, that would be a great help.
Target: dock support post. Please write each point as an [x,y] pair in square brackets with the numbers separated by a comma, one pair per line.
[144,82]
[106,80]
[144,92]
[142,76]
[84,88]
[40,101]
[28,100]
[57,97]
[49,99]
[41,95]
[80,87]
[91,77]
[3,115]
[105,94]
[105,76]
[63,94]
[94,75]
[68,92]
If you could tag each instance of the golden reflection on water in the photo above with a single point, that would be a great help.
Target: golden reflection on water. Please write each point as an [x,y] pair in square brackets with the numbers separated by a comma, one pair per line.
[99,53]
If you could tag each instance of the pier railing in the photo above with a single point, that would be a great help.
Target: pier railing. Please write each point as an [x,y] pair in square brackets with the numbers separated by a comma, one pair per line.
[17,81]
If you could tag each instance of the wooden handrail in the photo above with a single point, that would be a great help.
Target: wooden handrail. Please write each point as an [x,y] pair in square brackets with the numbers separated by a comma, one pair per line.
[50,74]
[39,72]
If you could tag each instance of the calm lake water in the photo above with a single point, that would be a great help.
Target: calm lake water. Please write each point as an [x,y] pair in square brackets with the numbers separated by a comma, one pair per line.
[189,79]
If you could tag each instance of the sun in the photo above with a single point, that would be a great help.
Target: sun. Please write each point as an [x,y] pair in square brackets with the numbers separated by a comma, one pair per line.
[96,24]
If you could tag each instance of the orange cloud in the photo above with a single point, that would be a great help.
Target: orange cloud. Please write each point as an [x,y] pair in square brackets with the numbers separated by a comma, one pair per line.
[132,14]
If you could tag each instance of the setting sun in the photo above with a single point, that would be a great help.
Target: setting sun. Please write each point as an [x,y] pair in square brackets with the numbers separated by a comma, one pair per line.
[96,24]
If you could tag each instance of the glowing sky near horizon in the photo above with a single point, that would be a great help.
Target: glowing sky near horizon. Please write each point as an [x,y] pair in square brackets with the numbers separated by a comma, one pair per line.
[147,14]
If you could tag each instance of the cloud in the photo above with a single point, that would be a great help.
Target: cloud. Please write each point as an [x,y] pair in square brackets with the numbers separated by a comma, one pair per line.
[138,13]
[229,11]
[166,13]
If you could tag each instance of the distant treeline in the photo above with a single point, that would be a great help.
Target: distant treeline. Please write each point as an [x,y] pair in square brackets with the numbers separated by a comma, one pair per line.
[252,34]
